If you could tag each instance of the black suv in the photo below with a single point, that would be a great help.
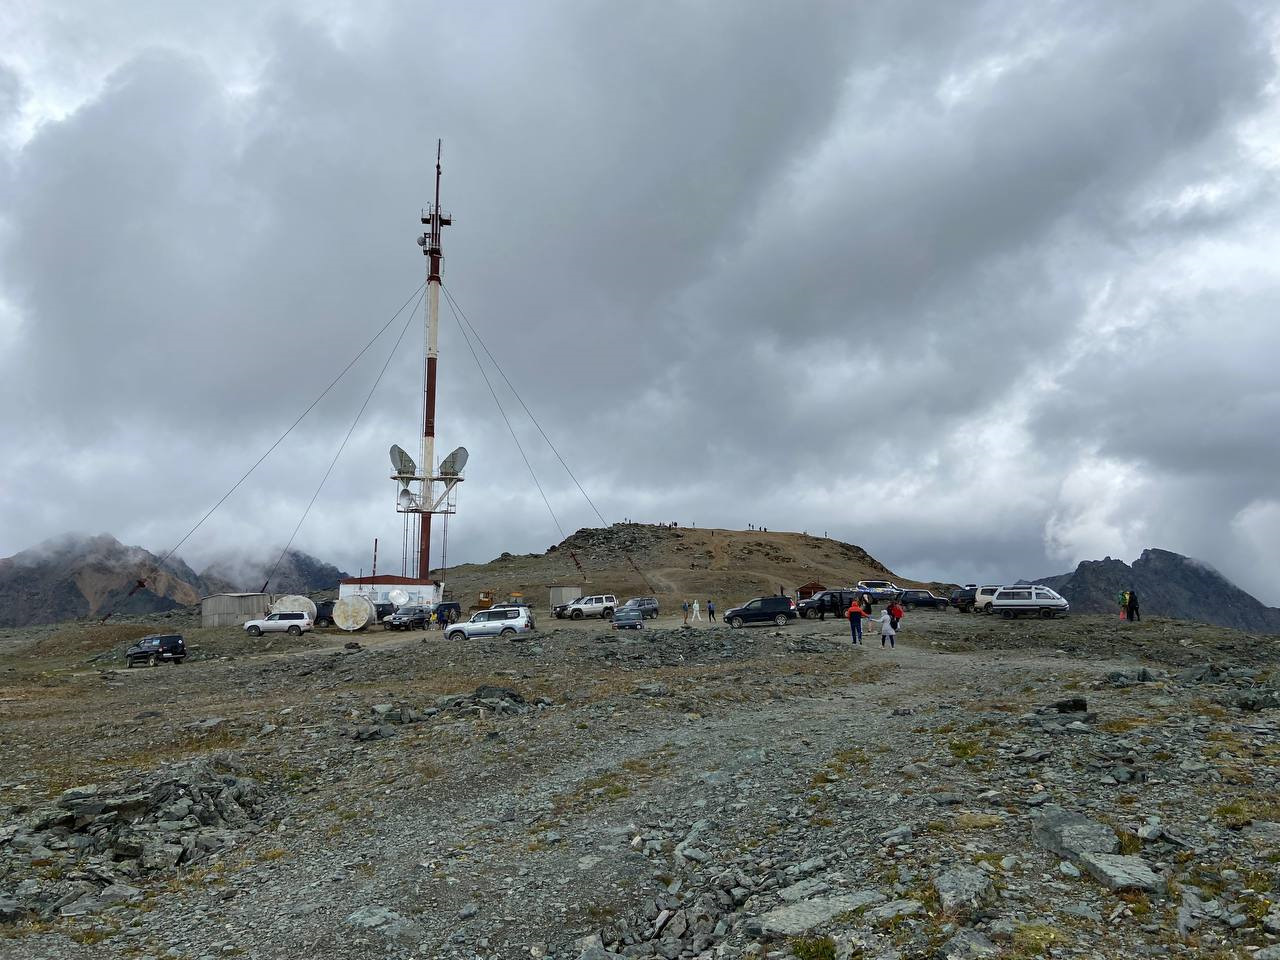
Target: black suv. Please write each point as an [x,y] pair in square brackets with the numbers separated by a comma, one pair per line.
[561,610]
[962,598]
[648,606]
[324,613]
[834,602]
[452,610]
[151,650]
[779,610]
[911,599]
[408,617]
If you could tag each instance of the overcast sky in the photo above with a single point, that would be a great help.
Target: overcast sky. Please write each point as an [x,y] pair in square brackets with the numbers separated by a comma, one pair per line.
[987,288]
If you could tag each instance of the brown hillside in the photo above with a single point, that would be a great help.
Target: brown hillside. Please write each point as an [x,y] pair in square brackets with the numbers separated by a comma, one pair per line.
[727,566]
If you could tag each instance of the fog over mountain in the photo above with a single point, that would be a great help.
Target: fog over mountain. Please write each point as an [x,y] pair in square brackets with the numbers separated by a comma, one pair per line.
[986,288]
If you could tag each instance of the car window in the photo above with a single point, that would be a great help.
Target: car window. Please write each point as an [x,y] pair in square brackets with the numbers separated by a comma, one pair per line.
[752,604]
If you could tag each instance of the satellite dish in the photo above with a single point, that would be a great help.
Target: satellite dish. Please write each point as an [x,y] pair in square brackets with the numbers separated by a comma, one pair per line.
[454,463]
[398,597]
[401,462]
[354,613]
[295,603]
[422,239]
[405,500]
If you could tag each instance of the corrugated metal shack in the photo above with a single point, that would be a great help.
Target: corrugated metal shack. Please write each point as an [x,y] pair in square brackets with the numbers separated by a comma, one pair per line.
[233,609]
[563,593]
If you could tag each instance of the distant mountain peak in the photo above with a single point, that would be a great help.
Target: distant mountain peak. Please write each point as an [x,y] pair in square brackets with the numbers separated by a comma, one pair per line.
[1168,584]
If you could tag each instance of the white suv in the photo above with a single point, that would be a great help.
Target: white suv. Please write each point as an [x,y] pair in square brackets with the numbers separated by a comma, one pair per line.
[503,622]
[983,596]
[294,623]
[598,606]
[1028,598]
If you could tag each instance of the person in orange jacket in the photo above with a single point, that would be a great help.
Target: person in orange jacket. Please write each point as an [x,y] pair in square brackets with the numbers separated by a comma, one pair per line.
[895,612]
[855,613]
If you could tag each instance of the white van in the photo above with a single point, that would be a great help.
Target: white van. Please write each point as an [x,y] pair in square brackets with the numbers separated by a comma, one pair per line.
[1029,598]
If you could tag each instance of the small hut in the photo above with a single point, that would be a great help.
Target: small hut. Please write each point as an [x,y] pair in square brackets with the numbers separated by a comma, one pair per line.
[233,609]
[563,593]
[807,590]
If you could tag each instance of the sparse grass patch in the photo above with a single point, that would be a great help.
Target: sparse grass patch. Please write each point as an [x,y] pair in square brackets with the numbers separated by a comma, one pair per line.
[813,948]
[1130,843]
[965,749]
[977,821]
[1122,724]
[1033,939]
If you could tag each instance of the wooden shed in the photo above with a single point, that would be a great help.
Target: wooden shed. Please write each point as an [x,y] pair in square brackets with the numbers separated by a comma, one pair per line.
[234,609]
[807,590]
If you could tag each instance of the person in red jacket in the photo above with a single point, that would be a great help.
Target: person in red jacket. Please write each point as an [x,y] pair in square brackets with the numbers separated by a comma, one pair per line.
[895,613]
[855,613]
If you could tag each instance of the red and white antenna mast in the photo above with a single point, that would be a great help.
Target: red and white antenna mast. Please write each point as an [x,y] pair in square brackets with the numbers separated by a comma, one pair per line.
[428,502]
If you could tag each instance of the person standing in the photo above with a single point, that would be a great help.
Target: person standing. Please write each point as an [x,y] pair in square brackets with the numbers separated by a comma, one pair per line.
[887,629]
[1131,607]
[685,607]
[696,611]
[895,611]
[866,603]
[711,610]
[855,613]
[1123,599]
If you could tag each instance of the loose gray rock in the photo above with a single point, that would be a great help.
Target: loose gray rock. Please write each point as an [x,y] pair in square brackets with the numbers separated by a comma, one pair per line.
[1117,872]
[1070,835]
[966,945]
[796,919]
[964,887]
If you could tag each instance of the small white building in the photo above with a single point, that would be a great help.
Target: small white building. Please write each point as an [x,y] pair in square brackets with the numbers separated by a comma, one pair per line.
[564,593]
[378,589]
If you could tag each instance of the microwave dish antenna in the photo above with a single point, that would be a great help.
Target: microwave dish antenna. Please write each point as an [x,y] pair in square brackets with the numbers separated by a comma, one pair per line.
[454,463]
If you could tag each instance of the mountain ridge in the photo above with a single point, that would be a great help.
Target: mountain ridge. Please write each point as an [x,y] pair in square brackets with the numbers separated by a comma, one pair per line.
[1168,584]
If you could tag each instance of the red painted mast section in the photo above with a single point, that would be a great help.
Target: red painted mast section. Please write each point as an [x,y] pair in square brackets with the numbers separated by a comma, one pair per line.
[434,253]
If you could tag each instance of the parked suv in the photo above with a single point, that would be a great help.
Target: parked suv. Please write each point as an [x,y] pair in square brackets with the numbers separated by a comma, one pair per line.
[324,613]
[152,650]
[1030,598]
[561,610]
[528,611]
[776,609]
[648,606]
[409,617]
[880,591]
[452,610]
[962,598]
[983,596]
[911,599]
[835,602]
[504,622]
[289,622]
[602,605]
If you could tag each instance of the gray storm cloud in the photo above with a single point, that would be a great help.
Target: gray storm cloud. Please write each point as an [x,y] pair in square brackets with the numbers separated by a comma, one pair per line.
[983,288]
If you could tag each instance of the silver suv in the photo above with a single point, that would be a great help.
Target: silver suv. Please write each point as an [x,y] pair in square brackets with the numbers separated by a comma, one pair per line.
[504,622]
[601,605]
[294,623]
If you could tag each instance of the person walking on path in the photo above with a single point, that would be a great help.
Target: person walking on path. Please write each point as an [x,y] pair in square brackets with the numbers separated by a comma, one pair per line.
[696,610]
[685,607]
[855,613]
[1131,607]
[887,629]
[711,610]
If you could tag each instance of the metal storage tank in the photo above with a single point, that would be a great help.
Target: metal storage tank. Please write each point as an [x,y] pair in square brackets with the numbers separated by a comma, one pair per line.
[233,609]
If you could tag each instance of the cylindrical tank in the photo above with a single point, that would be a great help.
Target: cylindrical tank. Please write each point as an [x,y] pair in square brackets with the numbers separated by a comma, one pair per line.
[354,613]
[295,604]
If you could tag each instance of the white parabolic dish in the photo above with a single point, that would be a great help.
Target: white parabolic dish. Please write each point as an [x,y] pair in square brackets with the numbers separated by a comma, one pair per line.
[293,603]
[354,613]
[398,597]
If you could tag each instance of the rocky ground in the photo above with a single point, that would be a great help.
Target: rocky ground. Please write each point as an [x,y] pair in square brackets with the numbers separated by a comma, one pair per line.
[1075,788]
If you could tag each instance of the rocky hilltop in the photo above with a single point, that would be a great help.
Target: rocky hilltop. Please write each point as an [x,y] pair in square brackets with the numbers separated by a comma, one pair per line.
[1168,585]
[672,563]
[78,576]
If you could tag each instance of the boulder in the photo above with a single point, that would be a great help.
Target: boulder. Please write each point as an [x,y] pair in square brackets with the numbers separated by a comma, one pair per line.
[965,887]
[1117,872]
[797,919]
[1071,835]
